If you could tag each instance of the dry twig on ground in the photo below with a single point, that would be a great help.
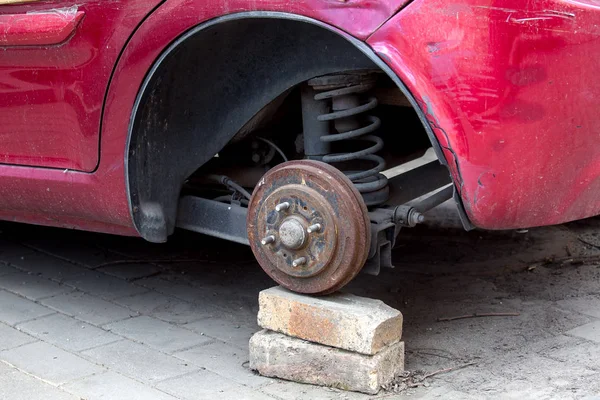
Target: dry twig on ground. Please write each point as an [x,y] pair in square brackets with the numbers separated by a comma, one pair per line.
[411,380]
[479,315]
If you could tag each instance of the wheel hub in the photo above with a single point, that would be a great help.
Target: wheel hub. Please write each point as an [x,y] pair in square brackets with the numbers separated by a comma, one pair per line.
[292,233]
[308,227]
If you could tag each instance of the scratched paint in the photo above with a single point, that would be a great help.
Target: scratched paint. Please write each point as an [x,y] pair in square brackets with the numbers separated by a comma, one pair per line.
[46,28]
[54,77]
[512,89]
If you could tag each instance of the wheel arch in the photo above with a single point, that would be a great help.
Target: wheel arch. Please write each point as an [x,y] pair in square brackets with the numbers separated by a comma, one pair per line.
[171,121]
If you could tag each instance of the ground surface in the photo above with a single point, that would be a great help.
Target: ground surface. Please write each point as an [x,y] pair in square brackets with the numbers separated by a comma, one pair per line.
[89,316]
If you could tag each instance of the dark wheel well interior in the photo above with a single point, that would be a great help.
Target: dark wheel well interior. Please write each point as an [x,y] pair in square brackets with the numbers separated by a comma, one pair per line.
[205,89]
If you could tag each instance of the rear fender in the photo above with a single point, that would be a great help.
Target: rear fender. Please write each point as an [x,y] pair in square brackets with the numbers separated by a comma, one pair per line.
[154,172]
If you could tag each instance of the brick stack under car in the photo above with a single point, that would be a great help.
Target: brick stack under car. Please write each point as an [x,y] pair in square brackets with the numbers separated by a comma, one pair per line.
[339,340]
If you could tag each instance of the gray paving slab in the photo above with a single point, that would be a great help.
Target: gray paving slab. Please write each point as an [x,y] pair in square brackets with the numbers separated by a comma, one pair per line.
[205,385]
[588,305]
[225,330]
[525,390]
[33,287]
[178,290]
[298,391]
[130,272]
[47,266]
[113,386]
[67,332]
[17,385]
[139,362]
[15,309]
[11,251]
[585,353]
[517,357]
[81,252]
[7,269]
[435,393]
[88,308]
[49,363]
[226,360]
[10,337]
[590,331]
[167,308]
[104,286]
[158,334]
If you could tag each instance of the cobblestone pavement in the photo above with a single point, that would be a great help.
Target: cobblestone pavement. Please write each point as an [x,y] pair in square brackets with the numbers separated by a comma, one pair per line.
[91,316]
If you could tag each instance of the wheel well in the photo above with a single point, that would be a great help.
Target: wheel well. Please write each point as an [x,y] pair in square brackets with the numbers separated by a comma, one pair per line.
[206,87]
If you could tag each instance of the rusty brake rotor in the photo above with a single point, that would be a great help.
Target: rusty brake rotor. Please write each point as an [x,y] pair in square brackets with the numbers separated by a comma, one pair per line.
[308,227]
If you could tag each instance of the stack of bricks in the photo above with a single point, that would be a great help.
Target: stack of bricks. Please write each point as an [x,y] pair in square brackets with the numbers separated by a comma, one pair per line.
[340,340]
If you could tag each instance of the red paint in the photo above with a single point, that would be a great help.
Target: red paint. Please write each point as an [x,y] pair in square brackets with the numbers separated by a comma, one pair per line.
[37,29]
[51,96]
[510,94]
[513,88]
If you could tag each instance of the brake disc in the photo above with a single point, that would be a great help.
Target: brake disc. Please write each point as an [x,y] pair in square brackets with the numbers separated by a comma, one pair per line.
[308,227]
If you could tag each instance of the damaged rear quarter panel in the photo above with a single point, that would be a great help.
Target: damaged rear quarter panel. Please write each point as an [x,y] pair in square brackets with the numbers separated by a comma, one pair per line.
[510,89]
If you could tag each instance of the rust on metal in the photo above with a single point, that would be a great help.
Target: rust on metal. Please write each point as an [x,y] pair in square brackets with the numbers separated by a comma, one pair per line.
[301,257]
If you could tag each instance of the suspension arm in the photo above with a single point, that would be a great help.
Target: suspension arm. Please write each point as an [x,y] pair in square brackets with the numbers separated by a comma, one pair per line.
[225,221]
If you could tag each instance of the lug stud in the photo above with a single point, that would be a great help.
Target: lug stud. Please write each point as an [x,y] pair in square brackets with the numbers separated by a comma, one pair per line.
[282,206]
[299,261]
[268,240]
[314,228]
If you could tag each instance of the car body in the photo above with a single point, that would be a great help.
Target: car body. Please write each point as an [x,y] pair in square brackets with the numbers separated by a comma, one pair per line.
[107,107]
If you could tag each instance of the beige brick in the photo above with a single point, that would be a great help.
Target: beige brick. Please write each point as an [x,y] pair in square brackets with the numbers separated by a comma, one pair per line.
[340,320]
[276,355]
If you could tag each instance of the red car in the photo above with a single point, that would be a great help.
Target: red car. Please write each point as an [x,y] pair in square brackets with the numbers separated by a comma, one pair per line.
[294,126]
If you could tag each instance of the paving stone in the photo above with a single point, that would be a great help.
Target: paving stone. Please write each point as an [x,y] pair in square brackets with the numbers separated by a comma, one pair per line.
[110,385]
[530,376]
[523,390]
[205,385]
[139,362]
[48,266]
[231,332]
[17,385]
[49,363]
[181,291]
[167,308]
[88,308]
[31,286]
[340,320]
[104,286]
[11,252]
[281,356]
[15,309]
[589,331]
[81,252]
[300,391]
[588,305]
[10,338]
[130,272]
[68,333]
[158,334]
[441,393]
[225,360]
[584,353]
[7,269]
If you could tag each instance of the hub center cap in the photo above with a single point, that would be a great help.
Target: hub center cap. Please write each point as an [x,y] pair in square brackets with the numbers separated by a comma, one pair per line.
[292,233]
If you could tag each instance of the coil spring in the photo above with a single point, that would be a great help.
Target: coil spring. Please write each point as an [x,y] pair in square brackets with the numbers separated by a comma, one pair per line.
[352,122]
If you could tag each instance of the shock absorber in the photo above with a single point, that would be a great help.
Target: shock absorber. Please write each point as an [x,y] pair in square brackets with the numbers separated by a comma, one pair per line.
[335,109]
